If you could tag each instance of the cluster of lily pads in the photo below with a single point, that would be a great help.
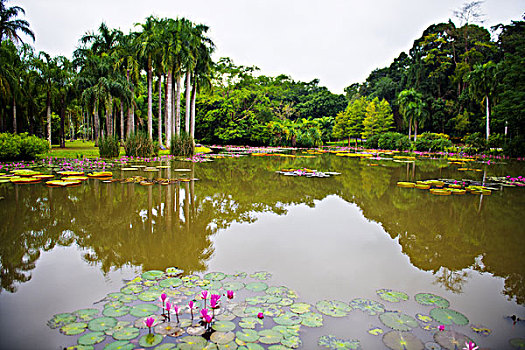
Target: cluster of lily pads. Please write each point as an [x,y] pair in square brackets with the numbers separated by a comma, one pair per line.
[165,310]
[306,172]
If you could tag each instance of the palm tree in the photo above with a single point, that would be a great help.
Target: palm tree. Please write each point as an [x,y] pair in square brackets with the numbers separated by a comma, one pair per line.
[411,106]
[47,67]
[10,26]
[483,85]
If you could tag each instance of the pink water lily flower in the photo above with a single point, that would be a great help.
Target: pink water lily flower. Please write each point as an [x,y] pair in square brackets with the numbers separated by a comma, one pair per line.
[208,318]
[168,307]
[214,299]
[441,327]
[229,294]
[260,315]
[204,312]
[163,297]
[470,346]
[149,322]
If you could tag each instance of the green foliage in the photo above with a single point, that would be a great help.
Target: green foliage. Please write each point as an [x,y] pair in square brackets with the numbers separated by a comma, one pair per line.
[378,118]
[372,142]
[477,141]
[433,142]
[140,145]
[515,147]
[21,146]
[393,140]
[109,147]
[350,122]
[182,145]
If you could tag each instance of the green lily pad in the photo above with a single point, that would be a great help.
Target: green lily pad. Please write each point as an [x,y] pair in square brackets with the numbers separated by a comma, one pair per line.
[258,299]
[126,333]
[332,342]
[451,339]
[269,336]
[300,308]
[239,311]
[250,322]
[281,291]
[518,343]
[273,299]
[239,274]
[115,296]
[233,285]
[392,295]
[101,324]
[114,303]
[172,282]
[152,275]
[149,295]
[369,306]
[116,312]
[169,328]
[86,314]
[398,321]
[278,347]
[333,308]
[253,311]
[225,316]
[448,316]
[228,346]
[292,342]
[251,346]
[74,328]
[196,341]
[312,319]
[402,341]
[166,346]
[257,286]
[375,331]
[215,276]
[286,302]
[223,326]
[261,275]
[173,271]
[142,310]
[247,335]
[125,299]
[119,345]
[141,322]
[429,299]
[132,289]
[288,319]
[150,340]
[423,318]
[62,319]
[91,338]
[288,331]
[273,310]
[196,330]
[222,337]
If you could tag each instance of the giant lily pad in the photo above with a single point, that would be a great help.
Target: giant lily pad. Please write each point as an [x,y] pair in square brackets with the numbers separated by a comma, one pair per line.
[247,335]
[312,319]
[142,310]
[250,322]
[288,319]
[101,324]
[150,340]
[233,285]
[288,331]
[74,328]
[193,342]
[222,337]
[153,275]
[332,342]
[448,316]
[300,308]
[272,310]
[369,306]
[429,299]
[402,341]
[119,345]
[116,312]
[132,289]
[91,338]
[451,339]
[170,282]
[126,333]
[215,276]
[291,342]
[398,321]
[60,320]
[269,336]
[149,295]
[86,314]
[223,326]
[392,295]
[333,308]
[127,298]
[257,286]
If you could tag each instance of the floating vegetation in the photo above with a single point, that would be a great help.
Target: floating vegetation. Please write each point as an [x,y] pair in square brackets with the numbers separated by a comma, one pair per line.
[451,339]
[332,342]
[371,307]
[398,321]
[402,341]
[306,172]
[63,183]
[448,316]
[429,299]
[391,295]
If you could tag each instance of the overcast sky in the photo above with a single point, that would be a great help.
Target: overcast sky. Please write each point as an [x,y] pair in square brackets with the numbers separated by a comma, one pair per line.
[337,41]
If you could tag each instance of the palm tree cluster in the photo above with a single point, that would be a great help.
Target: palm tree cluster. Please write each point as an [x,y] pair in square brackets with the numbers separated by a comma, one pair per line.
[110,75]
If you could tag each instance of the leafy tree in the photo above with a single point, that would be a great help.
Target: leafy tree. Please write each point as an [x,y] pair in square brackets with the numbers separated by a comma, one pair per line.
[378,119]
[10,25]
[483,85]
[349,123]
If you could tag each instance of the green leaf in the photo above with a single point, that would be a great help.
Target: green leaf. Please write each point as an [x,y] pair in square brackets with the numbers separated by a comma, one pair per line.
[333,308]
[132,289]
[448,316]
[398,321]
[250,322]
[257,286]
[150,340]
[126,333]
[288,319]
[312,319]
[91,338]
[116,312]
[119,345]
[172,282]
[222,337]
[142,310]
[74,328]
[269,336]
[261,275]
[402,341]
[215,276]
[128,298]
[332,342]
[391,295]
[223,326]
[429,299]
[369,306]
[292,342]
[300,308]
[235,286]
[60,320]
[152,275]
[86,314]
[451,339]
[101,324]
[149,295]
[247,335]
[169,328]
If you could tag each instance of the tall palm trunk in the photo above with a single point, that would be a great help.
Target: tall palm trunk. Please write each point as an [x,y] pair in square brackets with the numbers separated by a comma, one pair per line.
[177,106]
[160,110]
[96,125]
[188,102]
[121,120]
[48,115]
[192,114]
[150,99]
[109,118]
[488,117]
[62,122]
[169,107]
[415,130]
[14,116]
[410,128]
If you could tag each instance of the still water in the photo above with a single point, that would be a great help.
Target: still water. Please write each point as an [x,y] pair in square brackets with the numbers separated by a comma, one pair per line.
[336,238]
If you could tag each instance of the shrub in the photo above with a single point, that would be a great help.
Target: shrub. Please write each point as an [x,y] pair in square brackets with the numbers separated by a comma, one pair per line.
[432,142]
[372,141]
[476,140]
[515,147]
[393,140]
[109,147]
[140,145]
[21,146]
[182,145]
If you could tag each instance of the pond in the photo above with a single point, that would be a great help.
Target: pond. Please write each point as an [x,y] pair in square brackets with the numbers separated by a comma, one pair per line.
[337,238]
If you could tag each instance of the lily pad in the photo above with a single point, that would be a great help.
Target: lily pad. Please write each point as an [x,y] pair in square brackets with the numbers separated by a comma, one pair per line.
[215,276]
[150,340]
[333,308]
[269,336]
[172,282]
[257,286]
[273,310]
[312,319]
[480,329]
[448,316]
[119,345]
[288,318]
[253,311]
[235,286]
[261,275]
[398,321]
[518,343]
[60,320]
[128,298]
[250,322]
[300,308]
[196,330]
[173,271]
[423,318]
[91,338]
[451,339]
[392,295]
[142,310]
[371,307]
[126,333]
[140,323]
[168,328]
[114,304]
[223,326]
[132,289]
[153,275]
[430,345]
[116,312]
[286,302]
[149,295]
[225,316]
[115,296]
[222,337]
[195,341]
[247,335]
[375,331]
[258,299]
[86,314]
[429,299]
[101,324]
[74,328]
[292,342]
[288,331]
[402,341]
[332,342]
